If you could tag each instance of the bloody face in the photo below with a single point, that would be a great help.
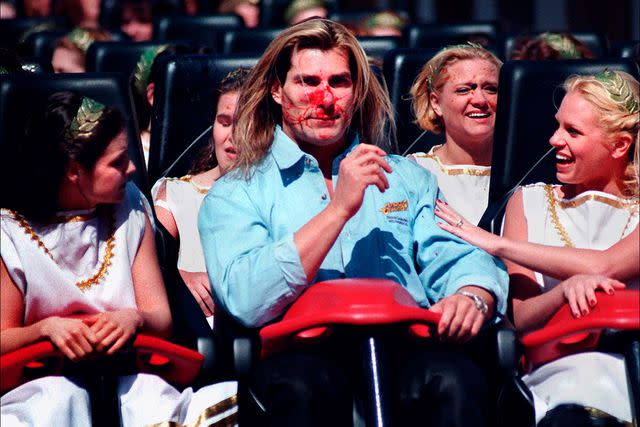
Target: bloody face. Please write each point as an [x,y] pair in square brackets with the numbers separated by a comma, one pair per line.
[316,97]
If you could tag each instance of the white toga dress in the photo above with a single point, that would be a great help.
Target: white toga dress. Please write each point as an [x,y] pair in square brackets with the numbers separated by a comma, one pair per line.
[466,187]
[592,220]
[183,198]
[77,247]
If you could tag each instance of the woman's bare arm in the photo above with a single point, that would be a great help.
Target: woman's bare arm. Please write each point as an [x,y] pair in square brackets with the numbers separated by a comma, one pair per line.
[151,295]
[164,215]
[71,336]
[621,261]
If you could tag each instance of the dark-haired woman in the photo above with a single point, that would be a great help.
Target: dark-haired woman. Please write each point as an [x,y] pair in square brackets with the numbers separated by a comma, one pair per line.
[177,200]
[79,268]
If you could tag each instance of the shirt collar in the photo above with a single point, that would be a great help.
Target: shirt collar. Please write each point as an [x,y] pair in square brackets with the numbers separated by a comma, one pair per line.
[287,153]
[284,150]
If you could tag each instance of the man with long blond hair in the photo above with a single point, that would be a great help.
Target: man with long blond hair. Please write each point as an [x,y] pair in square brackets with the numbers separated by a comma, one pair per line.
[313,197]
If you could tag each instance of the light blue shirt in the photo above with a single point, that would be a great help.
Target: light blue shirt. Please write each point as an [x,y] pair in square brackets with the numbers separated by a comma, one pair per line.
[247,226]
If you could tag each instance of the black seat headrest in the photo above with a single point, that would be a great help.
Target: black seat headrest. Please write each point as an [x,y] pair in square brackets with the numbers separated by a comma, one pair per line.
[377,47]
[116,56]
[204,30]
[14,31]
[441,35]
[249,41]
[401,67]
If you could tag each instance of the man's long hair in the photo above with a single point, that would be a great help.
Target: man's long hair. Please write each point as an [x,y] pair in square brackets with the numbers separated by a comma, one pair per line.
[258,113]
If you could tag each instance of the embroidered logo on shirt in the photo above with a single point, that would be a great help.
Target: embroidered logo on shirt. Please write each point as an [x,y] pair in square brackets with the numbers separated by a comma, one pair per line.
[394,207]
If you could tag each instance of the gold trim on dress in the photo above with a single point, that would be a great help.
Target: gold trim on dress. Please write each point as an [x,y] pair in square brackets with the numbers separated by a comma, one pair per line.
[631,206]
[189,178]
[580,200]
[210,412]
[64,219]
[551,199]
[600,414]
[85,284]
[448,170]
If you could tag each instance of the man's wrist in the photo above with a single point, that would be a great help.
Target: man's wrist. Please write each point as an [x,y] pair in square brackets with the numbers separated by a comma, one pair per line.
[480,302]
[337,214]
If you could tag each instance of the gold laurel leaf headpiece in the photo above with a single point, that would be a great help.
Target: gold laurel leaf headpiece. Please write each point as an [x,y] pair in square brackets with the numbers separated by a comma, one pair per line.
[618,90]
[45,26]
[563,44]
[143,67]
[385,20]
[86,119]
[81,38]
[297,6]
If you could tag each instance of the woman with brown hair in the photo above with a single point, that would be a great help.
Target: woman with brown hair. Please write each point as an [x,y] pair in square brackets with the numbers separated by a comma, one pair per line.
[177,200]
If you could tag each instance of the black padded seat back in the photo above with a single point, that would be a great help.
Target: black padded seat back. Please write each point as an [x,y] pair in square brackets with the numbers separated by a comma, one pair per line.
[250,41]
[40,46]
[596,42]
[184,102]
[401,67]
[111,11]
[530,93]
[203,30]
[626,49]
[441,35]
[377,47]
[121,56]
[19,94]
[13,30]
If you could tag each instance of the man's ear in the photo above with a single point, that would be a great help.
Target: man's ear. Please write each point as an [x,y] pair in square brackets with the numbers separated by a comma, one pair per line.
[150,90]
[276,92]
[435,103]
[621,145]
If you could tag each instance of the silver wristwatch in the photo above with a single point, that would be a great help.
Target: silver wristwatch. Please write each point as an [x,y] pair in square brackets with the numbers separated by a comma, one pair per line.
[480,303]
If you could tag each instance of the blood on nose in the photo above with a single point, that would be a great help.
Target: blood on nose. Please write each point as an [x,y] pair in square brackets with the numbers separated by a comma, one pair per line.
[321,97]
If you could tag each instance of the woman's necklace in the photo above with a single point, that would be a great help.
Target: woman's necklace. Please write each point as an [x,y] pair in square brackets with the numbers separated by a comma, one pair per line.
[199,188]
[85,284]
[564,236]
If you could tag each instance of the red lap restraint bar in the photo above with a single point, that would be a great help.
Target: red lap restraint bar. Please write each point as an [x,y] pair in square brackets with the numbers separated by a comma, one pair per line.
[564,334]
[176,364]
[346,302]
